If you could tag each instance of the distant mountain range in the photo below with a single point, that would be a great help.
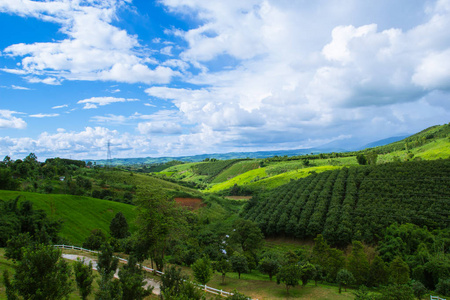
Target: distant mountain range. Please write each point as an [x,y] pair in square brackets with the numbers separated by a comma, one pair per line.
[336,146]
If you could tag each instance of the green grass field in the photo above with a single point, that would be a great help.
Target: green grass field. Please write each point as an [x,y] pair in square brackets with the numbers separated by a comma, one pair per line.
[258,178]
[236,169]
[79,214]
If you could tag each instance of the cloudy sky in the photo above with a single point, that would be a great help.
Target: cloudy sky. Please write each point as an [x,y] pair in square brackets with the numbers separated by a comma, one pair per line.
[184,77]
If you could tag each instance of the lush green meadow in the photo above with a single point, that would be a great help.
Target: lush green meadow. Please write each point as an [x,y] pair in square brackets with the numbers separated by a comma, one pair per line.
[80,215]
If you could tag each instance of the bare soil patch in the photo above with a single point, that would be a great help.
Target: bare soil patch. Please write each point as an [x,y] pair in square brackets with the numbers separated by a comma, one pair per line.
[239,197]
[190,203]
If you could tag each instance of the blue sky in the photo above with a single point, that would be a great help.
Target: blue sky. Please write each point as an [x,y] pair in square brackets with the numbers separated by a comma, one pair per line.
[185,77]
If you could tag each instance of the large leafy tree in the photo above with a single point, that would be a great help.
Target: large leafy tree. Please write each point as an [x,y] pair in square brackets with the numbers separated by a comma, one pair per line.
[158,222]
[119,226]
[269,264]
[358,263]
[247,235]
[202,270]
[239,263]
[290,275]
[344,278]
[132,281]
[42,274]
[83,277]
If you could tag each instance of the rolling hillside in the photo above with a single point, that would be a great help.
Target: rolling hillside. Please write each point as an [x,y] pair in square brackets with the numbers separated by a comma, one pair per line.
[356,203]
[79,214]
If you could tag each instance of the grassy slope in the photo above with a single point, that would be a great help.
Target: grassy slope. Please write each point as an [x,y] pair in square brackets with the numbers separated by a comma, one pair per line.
[80,214]
[236,169]
[252,178]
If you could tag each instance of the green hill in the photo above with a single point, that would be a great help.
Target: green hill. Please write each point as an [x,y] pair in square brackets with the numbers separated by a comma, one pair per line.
[356,203]
[79,214]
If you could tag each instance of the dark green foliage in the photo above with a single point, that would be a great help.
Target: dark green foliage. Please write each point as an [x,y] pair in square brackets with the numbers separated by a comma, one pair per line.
[42,274]
[238,296]
[358,263]
[202,270]
[239,263]
[270,264]
[361,158]
[443,287]
[396,292]
[95,240]
[307,273]
[83,277]
[108,290]
[16,245]
[344,278]
[16,219]
[378,273]
[172,281]
[119,226]
[362,294]
[11,293]
[7,182]
[107,264]
[358,203]
[213,168]
[131,280]
[418,288]
[175,286]
[247,235]
[290,275]
[398,271]
[222,266]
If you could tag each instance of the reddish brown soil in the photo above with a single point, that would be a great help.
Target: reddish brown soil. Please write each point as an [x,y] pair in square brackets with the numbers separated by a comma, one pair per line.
[190,203]
[239,197]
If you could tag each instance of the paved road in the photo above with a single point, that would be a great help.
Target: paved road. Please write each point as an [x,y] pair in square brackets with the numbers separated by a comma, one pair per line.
[148,282]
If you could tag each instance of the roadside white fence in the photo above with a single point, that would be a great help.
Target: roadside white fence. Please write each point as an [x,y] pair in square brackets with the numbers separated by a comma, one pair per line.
[203,287]
[436,298]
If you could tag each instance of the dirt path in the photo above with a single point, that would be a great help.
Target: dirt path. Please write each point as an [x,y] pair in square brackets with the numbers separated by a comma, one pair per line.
[148,282]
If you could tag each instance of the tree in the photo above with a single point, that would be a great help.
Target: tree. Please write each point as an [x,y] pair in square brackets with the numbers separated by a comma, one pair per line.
[320,251]
[270,264]
[132,281]
[398,271]
[42,274]
[372,158]
[290,275]
[16,245]
[202,270]
[361,158]
[239,263]
[119,226]
[247,234]
[344,278]
[307,272]
[378,274]
[362,293]
[83,277]
[397,292]
[222,266]
[358,263]
[175,286]
[171,281]
[107,264]
[238,296]
[443,286]
[95,240]
[158,221]
[418,289]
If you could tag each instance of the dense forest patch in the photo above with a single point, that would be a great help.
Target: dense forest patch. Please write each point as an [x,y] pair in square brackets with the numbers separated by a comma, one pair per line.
[356,203]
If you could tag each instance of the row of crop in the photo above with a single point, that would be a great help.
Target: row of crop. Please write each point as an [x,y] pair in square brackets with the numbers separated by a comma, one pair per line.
[357,203]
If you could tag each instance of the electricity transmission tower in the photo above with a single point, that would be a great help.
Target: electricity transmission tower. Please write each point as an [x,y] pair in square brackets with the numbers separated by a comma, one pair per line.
[108,156]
